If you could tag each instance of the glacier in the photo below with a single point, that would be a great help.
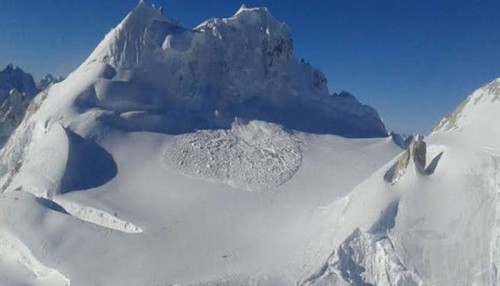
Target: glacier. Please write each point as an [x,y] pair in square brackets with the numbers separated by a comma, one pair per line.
[212,156]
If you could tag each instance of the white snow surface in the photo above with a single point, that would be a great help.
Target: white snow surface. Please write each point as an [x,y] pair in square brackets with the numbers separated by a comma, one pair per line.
[108,180]
[445,230]
[193,231]
[93,189]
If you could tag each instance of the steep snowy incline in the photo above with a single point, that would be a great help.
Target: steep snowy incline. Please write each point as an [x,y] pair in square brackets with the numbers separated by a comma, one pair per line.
[137,159]
[445,229]
[475,117]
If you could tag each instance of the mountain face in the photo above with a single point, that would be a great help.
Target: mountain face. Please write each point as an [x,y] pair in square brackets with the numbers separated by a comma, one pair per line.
[16,78]
[241,67]
[12,112]
[138,154]
[47,80]
[134,171]
[17,88]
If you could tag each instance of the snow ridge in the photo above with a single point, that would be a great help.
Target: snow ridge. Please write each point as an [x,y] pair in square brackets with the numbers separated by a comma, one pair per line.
[96,216]
[482,102]
[13,249]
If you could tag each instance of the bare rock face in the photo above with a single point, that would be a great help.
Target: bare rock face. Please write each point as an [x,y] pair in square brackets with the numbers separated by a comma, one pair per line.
[12,111]
[15,78]
[47,81]
[416,152]
[402,140]
[399,168]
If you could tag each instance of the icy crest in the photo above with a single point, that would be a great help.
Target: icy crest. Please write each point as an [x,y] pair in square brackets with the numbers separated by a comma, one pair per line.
[478,109]
[127,44]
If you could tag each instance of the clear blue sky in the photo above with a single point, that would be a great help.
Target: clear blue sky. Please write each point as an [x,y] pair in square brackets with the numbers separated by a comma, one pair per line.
[413,60]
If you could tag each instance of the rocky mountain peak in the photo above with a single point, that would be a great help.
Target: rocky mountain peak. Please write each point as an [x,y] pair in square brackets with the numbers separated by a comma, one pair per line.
[14,77]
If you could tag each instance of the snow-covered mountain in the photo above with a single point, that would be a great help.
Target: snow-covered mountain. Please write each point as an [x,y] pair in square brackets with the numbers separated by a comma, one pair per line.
[12,112]
[48,80]
[134,171]
[15,78]
[17,88]
[149,73]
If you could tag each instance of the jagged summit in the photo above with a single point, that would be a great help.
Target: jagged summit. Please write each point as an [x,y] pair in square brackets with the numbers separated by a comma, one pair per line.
[15,78]
[134,171]
[261,12]
[258,20]
[17,89]
[47,81]
[238,67]
[127,44]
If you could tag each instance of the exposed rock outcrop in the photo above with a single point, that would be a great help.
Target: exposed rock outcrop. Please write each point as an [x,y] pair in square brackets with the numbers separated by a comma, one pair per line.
[48,80]
[15,78]
[402,140]
[416,152]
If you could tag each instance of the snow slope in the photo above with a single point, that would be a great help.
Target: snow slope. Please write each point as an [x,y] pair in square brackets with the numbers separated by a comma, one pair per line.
[445,227]
[192,231]
[134,171]
[110,165]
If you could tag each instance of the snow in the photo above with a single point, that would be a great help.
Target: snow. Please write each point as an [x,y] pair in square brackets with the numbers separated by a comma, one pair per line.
[169,166]
[445,230]
[253,156]
[14,252]
[156,164]
[154,65]
[194,231]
